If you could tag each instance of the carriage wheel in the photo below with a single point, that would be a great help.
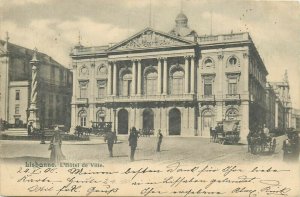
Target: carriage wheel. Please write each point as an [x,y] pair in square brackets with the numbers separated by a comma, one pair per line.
[257,149]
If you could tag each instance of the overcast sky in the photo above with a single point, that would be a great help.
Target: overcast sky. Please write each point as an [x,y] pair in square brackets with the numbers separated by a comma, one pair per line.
[53,25]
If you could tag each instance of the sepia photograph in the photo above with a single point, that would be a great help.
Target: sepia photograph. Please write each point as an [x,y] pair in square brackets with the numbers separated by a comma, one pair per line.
[149,98]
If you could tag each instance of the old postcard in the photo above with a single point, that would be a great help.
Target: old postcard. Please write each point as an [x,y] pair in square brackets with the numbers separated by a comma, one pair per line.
[149,98]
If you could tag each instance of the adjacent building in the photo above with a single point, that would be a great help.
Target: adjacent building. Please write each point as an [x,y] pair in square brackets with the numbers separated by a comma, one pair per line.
[284,103]
[179,82]
[296,119]
[54,87]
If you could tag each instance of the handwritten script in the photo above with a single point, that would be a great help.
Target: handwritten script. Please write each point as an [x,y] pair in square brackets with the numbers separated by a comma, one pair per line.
[173,179]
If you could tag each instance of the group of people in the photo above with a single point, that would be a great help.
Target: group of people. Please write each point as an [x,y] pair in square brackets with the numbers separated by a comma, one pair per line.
[291,147]
[111,138]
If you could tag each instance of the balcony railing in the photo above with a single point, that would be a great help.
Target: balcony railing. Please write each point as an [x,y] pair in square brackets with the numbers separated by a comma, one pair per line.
[82,100]
[233,97]
[223,38]
[206,97]
[141,98]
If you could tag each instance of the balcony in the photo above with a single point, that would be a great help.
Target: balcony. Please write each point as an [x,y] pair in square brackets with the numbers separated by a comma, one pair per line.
[83,101]
[206,97]
[223,38]
[233,97]
[149,98]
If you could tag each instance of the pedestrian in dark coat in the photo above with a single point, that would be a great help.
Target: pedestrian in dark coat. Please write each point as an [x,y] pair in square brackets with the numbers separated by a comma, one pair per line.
[30,128]
[110,138]
[133,137]
[159,137]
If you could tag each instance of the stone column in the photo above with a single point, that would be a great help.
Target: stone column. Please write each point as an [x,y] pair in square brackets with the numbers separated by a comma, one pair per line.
[109,79]
[186,75]
[114,78]
[33,110]
[139,90]
[246,76]
[93,85]
[159,76]
[165,77]
[192,75]
[133,78]
[73,104]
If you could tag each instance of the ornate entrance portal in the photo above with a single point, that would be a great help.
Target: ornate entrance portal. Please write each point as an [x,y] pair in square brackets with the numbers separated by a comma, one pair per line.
[174,122]
[148,119]
[123,122]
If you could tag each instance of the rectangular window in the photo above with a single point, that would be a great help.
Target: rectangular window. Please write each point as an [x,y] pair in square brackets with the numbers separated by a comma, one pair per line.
[17,109]
[207,87]
[232,86]
[83,92]
[101,88]
[83,121]
[17,95]
[83,89]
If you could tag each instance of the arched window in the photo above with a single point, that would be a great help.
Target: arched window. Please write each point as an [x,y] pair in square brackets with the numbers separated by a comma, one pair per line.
[233,61]
[151,82]
[82,118]
[177,80]
[232,114]
[208,62]
[100,116]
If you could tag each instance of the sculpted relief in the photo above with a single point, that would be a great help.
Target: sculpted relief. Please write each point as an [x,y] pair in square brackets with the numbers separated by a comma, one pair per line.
[150,39]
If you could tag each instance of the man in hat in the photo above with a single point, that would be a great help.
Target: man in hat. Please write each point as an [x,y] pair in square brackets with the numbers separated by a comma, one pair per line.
[159,137]
[110,138]
[133,137]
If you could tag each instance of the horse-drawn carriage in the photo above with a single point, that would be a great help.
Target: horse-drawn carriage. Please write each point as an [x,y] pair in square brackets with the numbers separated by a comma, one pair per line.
[98,128]
[227,131]
[101,128]
[259,142]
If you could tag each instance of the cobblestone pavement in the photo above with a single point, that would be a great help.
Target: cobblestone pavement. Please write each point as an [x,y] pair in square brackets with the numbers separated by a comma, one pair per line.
[193,149]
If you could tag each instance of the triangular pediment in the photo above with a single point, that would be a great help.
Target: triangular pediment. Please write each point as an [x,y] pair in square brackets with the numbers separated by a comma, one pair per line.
[149,39]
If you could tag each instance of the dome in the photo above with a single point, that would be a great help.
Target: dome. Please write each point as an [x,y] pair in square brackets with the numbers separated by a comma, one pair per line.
[181,20]
[181,17]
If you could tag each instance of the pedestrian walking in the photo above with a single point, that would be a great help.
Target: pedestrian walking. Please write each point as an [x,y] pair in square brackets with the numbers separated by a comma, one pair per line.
[133,138]
[110,138]
[159,141]
[56,154]
[30,128]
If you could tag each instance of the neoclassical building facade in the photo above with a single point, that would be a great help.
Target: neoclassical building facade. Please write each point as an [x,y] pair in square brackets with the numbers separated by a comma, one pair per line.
[178,82]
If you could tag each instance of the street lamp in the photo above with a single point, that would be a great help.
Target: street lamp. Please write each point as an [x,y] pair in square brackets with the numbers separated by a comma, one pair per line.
[115,110]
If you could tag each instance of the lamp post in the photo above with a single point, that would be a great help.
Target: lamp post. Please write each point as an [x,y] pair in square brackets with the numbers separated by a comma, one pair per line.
[115,114]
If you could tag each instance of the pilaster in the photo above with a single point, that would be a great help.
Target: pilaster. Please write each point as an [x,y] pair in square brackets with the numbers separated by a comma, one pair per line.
[159,76]
[186,75]
[133,77]
[114,78]
[192,74]
[165,77]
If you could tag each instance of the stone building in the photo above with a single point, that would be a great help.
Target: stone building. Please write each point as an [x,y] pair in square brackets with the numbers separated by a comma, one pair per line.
[296,119]
[282,90]
[178,82]
[54,87]
[275,109]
